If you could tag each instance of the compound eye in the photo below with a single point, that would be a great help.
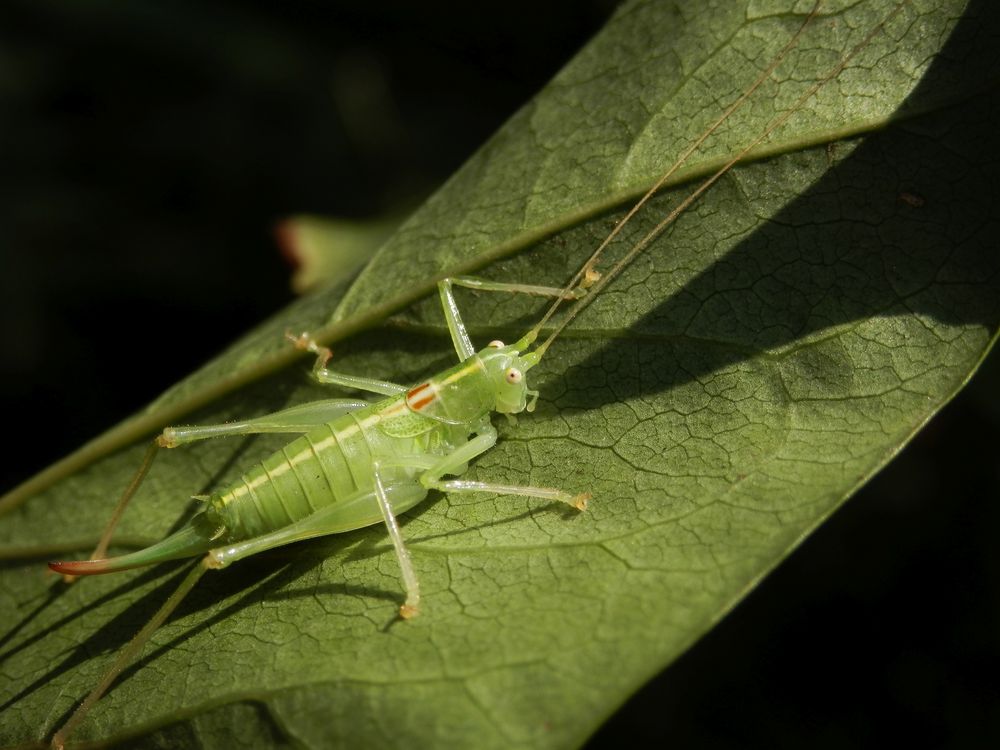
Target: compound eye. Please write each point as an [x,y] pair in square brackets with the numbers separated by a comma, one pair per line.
[513,375]
[496,344]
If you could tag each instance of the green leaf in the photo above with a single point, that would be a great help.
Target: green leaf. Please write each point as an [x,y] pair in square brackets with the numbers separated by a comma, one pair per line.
[324,250]
[720,399]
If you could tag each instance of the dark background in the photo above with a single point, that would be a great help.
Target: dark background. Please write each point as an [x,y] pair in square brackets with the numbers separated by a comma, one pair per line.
[147,151]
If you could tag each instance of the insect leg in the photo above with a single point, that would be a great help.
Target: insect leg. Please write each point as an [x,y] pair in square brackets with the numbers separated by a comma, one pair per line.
[328,377]
[459,335]
[101,550]
[545,493]
[456,462]
[128,653]
[357,512]
[486,285]
[297,419]
[410,607]
[383,387]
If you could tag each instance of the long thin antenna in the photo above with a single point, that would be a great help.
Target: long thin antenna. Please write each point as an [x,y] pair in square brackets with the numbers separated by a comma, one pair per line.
[681,160]
[680,208]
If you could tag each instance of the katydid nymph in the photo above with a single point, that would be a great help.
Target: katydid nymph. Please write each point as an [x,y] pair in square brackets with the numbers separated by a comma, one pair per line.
[358,464]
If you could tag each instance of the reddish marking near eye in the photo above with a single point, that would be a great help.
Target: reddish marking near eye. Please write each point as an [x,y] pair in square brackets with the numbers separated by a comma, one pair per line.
[420,396]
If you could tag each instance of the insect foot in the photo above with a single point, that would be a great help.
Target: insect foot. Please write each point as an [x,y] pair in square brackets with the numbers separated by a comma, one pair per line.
[408,611]
[305,342]
[580,501]
[166,439]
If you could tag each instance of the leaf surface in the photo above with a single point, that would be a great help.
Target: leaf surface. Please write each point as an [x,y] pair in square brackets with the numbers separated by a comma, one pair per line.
[720,399]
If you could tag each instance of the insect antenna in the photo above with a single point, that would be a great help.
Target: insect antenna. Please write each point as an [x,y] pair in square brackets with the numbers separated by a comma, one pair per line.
[681,160]
[669,219]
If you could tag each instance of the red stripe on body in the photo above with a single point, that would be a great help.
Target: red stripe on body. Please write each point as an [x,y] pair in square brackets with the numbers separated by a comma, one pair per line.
[417,399]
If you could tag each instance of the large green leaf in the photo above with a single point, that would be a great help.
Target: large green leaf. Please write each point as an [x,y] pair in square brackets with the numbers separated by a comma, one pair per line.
[720,399]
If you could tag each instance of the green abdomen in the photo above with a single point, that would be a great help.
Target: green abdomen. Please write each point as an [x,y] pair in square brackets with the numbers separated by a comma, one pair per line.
[326,466]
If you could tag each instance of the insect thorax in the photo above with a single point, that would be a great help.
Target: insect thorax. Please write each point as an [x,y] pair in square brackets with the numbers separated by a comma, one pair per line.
[490,380]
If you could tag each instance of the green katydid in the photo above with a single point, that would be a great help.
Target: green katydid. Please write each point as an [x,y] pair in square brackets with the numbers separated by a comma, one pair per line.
[397,477]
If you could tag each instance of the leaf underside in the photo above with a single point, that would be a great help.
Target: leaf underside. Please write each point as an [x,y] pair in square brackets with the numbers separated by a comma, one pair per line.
[720,399]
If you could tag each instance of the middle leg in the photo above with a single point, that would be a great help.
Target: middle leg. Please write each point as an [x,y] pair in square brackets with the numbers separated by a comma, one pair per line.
[457,461]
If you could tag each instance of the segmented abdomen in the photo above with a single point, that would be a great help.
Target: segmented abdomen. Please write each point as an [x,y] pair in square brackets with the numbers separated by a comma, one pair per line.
[323,467]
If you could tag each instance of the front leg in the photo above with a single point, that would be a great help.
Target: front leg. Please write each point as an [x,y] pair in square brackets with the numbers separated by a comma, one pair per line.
[459,335]
[457,462]
[305,342]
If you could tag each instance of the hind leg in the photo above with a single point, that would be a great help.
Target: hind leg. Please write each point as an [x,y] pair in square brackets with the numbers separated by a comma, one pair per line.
[296,420]
[354,513]
[127,654]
